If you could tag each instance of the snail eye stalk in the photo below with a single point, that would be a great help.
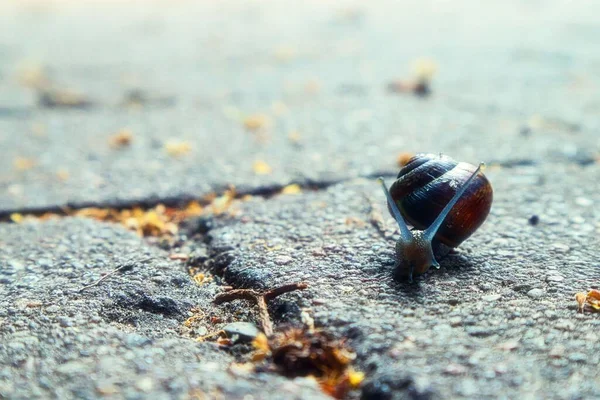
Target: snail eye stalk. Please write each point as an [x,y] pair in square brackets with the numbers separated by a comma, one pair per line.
[405,233]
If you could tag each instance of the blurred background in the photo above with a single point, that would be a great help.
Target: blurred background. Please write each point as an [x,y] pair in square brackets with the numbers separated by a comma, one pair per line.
[124,101]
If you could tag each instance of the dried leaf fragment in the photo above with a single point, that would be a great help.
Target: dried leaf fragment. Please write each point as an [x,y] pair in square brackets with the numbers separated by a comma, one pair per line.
[299,352]
[201,278]
[198,315]
[16,218]
[176,148]
[294,188]
[156,221]
[23,163]
[257,122]
[33,75]
[121,139]
[420,84]
[261,168]
[424,68]
[261,345]
[63,174]
[179,256]
[294,137]
[221,204]
[404,158]
[589,300]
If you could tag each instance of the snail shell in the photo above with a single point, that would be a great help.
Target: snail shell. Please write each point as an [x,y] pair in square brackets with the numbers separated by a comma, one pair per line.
[428,182]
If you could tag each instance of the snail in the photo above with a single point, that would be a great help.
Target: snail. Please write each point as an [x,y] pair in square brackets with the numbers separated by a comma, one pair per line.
[444,200]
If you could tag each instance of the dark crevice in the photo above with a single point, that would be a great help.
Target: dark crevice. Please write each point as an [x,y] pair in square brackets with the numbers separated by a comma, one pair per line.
[267,191]
[178,201]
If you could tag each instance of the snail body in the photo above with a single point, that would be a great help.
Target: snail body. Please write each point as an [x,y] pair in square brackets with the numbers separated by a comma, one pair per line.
[445,200]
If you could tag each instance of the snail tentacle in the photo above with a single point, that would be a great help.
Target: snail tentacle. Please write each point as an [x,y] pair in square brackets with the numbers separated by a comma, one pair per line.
[405,233]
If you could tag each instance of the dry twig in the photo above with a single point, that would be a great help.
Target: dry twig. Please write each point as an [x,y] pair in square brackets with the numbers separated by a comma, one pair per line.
[261,299]
[122,268]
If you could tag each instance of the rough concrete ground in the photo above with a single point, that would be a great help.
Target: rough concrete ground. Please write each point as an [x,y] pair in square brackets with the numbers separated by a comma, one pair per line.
[123,338]
[271,93]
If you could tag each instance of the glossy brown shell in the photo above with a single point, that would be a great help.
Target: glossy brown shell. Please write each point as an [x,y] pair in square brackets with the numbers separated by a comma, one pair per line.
[428,182]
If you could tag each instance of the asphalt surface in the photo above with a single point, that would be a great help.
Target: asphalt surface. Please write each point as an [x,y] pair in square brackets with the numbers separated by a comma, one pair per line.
[260,95]
[124,338]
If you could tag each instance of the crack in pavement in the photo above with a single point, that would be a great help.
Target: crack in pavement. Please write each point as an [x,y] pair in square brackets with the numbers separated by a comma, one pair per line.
[266,192]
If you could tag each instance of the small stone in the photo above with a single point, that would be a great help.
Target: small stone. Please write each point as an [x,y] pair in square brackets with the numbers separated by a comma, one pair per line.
[52,309]
[201,331]
[583,201]
[65,322]
[534,220]
[134,340]
[554,278]
[535,293]
[468,387]
[561,247]
[44,263]
[578,220]
[346,289]
[564,325]
[485,287]
[455,369]
[283,260]
[442,331]
[106,388]
[491,297]
[557,351]
[489,374]
[479,331]
[241,331]
[578,357]
[501,369]
[145,384]
[72,368]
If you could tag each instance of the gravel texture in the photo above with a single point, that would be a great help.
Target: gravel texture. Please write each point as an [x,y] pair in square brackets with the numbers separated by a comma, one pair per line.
[124,338]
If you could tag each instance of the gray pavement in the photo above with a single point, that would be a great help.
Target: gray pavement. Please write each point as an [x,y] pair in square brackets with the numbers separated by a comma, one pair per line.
[264,94]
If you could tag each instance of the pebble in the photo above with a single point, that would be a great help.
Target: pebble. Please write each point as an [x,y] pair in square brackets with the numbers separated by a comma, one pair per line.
[554,278]
[145,384]
[135,340]
[283,260]
[557,351]
[72,368]
[52,309]
[485,286]
[241,331]
[491,297]
[534,220]
[479,331]
[561,247]
[201,331]
[583,201]
[468,387]
[535,293]
[564,325]
[456,369]
[578,357]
